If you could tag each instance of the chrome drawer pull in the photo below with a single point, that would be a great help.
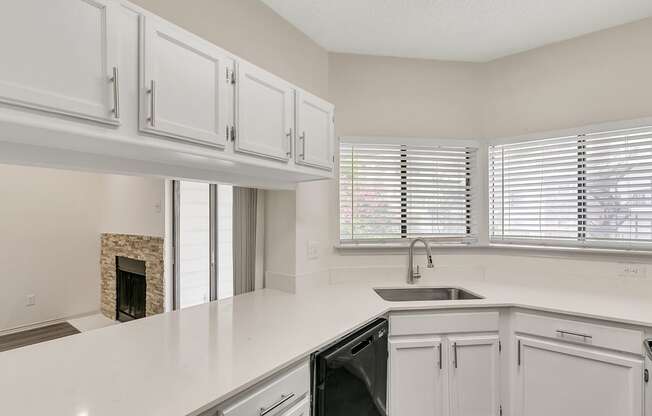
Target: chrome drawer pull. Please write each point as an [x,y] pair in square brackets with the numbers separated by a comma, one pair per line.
[574,334]
[284,398]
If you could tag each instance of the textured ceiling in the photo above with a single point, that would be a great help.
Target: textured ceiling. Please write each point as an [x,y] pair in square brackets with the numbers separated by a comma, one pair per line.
[459,30]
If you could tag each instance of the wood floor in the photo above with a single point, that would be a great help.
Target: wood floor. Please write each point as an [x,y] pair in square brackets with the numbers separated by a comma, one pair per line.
[34,336]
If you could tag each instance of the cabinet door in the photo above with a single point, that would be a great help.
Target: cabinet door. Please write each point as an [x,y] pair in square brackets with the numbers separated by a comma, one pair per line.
[416,377]
[184,87]
[474,375]
[59,56]
[300,409]
[264,113]
[570,380]
[315,131]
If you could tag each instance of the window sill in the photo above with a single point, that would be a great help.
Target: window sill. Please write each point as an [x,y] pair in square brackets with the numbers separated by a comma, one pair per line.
[613,254]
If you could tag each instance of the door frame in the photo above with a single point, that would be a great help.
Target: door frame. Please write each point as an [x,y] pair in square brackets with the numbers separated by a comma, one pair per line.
[212,244]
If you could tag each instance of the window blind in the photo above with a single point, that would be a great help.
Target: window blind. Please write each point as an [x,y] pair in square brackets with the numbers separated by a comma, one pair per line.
[391,192]
[585,190]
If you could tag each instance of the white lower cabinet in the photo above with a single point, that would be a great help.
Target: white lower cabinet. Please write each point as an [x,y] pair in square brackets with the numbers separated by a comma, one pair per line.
[474,375]
[416,376]
[284,394]
[452,373]
[300,409]
[555,378]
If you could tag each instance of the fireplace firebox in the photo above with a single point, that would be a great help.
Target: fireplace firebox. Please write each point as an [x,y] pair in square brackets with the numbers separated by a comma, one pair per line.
[131,289]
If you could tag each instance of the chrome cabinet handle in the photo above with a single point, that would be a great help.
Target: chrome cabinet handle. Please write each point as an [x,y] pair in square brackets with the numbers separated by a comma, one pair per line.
[284,398]
[518,355]
[440,361]
[303,145]
[289,136]
[115,79]
[455,354]
[152,103]
[585,337]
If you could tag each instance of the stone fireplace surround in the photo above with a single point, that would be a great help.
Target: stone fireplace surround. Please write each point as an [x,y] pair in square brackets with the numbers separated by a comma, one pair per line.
[146,248]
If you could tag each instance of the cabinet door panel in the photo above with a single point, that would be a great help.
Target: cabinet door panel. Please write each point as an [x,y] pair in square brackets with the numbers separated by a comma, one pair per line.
[564,380]
[190,98]
[315,131]
[416,377]
[474,375]
[58,56]
[300,409]
[264,112]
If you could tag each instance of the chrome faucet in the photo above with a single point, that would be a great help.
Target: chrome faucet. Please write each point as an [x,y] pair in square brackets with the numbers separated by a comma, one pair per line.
[412,275]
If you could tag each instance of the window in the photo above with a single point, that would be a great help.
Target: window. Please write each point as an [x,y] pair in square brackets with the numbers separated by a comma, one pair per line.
[392,191]
[588,190]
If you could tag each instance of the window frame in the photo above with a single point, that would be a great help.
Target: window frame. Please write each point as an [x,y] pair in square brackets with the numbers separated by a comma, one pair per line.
[643,248]
[476,216]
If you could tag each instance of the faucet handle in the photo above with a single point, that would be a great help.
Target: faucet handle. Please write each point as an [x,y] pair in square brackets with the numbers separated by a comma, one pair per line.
[416,274]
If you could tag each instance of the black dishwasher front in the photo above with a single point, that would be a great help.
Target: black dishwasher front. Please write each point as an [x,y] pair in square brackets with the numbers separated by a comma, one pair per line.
[350,378]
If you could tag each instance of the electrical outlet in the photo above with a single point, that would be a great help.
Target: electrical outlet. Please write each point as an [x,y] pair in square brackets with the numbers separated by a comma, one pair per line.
[31,300]
[313,250]
[633,271]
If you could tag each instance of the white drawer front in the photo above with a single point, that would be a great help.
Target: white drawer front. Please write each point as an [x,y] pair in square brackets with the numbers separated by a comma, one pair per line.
[442,323]
[611,337]
[275,396]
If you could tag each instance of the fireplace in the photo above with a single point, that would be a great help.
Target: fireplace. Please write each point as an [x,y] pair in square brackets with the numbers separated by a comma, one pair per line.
[131,289]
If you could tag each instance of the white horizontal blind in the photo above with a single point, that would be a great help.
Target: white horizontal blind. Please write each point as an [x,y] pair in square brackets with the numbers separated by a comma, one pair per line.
[390,192]
[586,190]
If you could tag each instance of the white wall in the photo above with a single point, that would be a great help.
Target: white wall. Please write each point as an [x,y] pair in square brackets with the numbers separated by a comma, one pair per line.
[50,225]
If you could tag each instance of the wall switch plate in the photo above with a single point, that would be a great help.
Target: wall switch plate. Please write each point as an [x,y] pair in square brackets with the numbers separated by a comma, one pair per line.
[31,300]
[633,271]
[313,250]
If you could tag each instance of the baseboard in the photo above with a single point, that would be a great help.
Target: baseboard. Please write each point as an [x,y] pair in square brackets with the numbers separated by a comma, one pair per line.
[44,323]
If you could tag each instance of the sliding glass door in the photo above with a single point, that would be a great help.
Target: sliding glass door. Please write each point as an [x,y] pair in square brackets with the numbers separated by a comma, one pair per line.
[203,248]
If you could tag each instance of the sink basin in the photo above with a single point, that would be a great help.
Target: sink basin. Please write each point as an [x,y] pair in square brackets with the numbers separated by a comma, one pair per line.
[425,294]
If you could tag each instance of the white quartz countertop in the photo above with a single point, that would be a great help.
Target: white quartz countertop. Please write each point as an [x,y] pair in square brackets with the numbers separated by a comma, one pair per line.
[181,363]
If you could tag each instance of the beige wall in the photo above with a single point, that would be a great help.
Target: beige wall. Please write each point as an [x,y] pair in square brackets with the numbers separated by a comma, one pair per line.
[380,96]
[253,31]
[597,78]
[600,77]
[50,225]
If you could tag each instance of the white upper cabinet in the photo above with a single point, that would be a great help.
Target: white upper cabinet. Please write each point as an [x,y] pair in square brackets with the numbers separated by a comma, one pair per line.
[59,56]
[474,375]
[264,113]
[185,91]
[315,131]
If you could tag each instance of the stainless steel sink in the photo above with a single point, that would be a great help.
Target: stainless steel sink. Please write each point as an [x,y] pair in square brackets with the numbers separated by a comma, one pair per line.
[425,294]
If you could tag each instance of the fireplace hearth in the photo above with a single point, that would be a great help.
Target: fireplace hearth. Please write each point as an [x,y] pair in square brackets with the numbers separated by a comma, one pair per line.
[131,289]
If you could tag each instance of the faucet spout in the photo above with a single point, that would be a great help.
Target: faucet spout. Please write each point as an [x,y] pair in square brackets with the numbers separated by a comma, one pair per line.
[412,275]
